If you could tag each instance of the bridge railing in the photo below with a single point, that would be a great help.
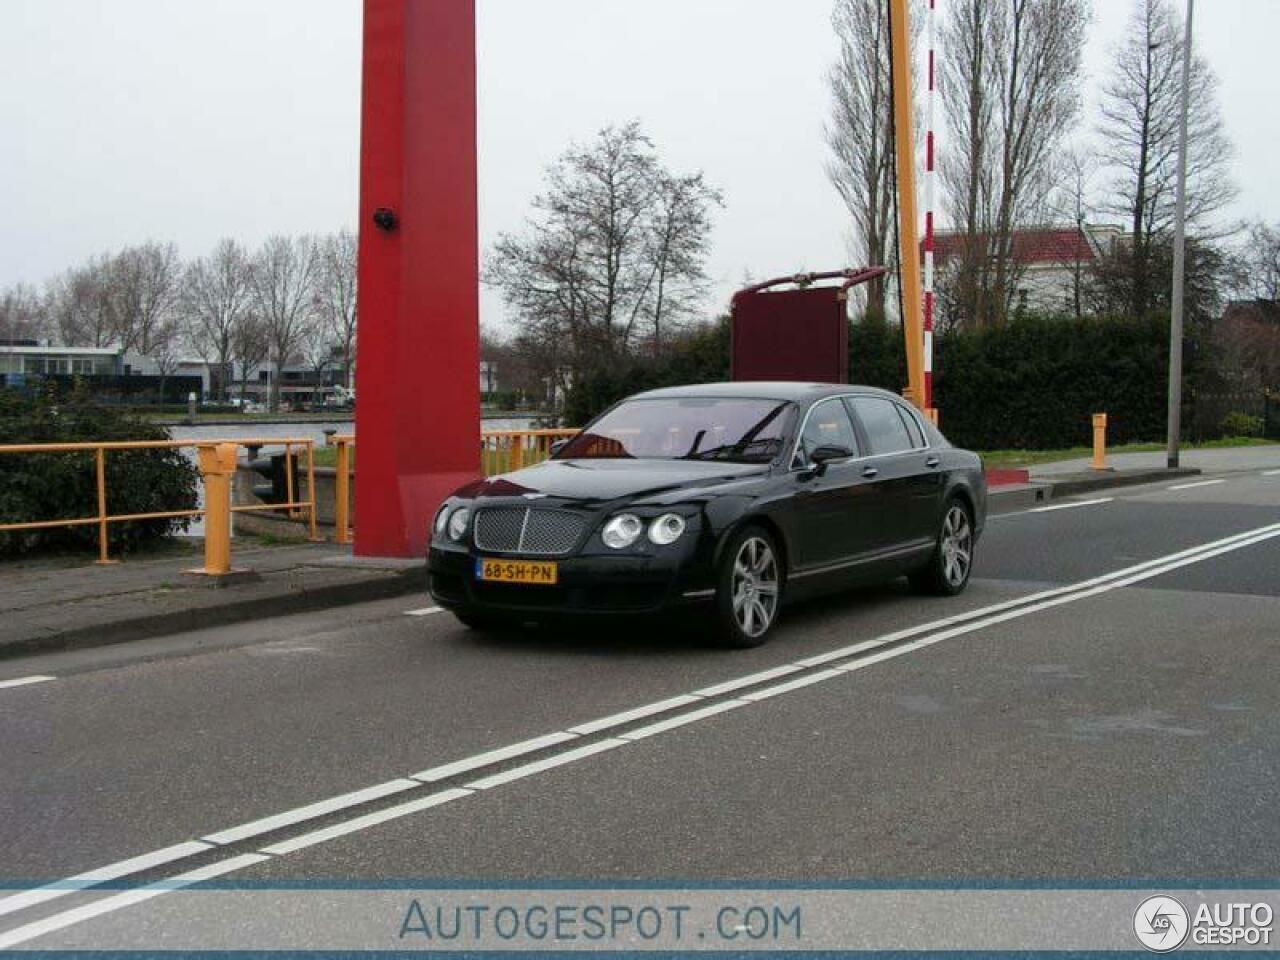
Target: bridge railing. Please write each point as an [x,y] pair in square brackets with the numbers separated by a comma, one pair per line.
[217,461]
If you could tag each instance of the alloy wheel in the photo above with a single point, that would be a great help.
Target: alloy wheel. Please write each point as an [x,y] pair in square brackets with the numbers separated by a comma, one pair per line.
[756,587]
[957,546]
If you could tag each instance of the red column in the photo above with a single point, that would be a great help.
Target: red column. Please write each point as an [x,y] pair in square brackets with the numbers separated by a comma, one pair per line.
[418,414]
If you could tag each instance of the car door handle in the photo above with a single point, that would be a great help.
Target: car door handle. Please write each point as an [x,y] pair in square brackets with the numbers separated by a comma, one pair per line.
[933,463]
[871,473]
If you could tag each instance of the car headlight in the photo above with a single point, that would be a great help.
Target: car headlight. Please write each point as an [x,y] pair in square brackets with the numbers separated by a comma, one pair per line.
[622,531]
[667,529]
[442,521]
[458,522]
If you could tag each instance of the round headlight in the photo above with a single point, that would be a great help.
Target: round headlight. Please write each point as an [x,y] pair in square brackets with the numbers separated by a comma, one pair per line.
[458,524]
[442,520]
[622,531]
[667,529]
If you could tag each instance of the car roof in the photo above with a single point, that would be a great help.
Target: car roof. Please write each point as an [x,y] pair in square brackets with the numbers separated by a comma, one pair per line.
[782,391]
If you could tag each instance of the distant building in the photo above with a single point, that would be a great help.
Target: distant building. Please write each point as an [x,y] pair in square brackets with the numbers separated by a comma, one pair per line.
[1048,260]
[108,373]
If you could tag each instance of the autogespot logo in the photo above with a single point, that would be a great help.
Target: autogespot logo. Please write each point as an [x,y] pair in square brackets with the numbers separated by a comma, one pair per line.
[1162,924]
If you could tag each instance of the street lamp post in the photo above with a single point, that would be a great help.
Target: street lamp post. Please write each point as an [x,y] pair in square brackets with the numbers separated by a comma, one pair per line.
[1180,258]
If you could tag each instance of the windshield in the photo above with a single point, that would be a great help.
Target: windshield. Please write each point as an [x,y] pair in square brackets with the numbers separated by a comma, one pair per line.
[731,430]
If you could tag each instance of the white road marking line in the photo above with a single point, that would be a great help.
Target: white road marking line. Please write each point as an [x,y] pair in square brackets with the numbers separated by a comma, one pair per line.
[427,612]
[780,689]
[311,812]
[24,682]
[1271,473]
[550,763]
[1196,486]
[683,720]
[1075,505]
[119,901]
[741,682]
[113,871]
[365,822]
[492,757]
[967,623]
[630,716]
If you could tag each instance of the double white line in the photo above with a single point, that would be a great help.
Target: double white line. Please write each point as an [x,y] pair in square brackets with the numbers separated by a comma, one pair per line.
[708,702]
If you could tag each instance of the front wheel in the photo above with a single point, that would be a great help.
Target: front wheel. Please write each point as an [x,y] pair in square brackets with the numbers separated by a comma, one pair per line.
[749,589]
[948,570]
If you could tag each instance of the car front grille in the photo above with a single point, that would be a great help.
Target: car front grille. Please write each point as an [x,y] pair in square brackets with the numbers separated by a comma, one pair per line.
[528,532]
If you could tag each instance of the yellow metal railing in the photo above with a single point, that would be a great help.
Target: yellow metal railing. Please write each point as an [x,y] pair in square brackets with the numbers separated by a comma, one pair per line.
[501,452]
[217,461]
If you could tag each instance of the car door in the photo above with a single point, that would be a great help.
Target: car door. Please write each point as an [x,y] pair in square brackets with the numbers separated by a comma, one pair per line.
[833,506]
[905,473]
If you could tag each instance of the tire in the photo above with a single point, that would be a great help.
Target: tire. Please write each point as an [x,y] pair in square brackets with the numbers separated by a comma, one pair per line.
[749,588]
[949,568]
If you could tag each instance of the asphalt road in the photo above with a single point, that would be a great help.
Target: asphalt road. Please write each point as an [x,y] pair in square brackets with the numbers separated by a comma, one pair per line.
[1056,724]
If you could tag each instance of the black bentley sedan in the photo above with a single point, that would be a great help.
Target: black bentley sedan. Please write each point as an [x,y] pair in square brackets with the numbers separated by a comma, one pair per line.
[735,498]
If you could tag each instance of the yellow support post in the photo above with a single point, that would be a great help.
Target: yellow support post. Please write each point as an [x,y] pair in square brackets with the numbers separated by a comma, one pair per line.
[342,493]
[104,527]
[1100,442]
[909,226]
[217,466]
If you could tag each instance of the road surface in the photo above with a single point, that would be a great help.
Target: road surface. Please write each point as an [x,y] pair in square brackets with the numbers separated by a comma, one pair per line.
[1102,706]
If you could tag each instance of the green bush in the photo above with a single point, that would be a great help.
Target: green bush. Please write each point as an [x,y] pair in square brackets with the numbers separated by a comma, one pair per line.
[1238,424]
[1035,383]
[44,487]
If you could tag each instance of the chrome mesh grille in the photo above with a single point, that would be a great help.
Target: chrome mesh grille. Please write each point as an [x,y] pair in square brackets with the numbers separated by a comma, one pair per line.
[523,530]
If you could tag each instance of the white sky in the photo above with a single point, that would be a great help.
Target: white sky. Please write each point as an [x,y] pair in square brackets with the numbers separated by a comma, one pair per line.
[189,120]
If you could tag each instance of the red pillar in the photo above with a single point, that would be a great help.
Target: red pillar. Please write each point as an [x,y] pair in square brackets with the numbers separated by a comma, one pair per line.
[418,415]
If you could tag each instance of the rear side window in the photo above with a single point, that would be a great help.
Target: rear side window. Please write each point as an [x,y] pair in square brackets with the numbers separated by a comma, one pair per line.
[884,426]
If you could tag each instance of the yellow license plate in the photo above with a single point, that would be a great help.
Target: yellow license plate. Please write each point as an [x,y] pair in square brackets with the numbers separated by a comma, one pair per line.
[518,571]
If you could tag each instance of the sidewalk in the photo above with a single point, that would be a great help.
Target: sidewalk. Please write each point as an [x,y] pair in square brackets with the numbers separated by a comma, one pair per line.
[46,608]
[1230,460]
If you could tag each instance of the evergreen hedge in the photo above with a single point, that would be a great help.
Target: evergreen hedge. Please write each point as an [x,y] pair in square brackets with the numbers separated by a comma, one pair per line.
[40,487]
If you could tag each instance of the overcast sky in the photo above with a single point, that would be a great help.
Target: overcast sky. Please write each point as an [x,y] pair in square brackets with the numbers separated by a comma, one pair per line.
[189,120]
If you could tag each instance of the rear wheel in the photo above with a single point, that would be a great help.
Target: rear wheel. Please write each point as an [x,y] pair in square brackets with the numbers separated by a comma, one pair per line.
[749,589]
[948,570]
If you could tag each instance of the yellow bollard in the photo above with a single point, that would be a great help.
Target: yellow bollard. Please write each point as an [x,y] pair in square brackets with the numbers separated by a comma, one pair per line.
[217,466]
[1100,442]
[342,489]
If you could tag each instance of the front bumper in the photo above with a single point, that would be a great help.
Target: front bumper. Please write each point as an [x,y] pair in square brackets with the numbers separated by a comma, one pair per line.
[588,585]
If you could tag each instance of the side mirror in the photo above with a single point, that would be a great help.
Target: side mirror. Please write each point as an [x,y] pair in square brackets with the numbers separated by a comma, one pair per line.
[824,456]
[557,447]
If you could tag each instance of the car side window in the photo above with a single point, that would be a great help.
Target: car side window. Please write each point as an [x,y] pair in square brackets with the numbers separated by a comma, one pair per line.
[828,426]
[913,427]
[886,432]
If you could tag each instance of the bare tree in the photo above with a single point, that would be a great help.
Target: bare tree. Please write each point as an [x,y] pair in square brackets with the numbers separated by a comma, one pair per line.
[860,132]
[145,285]
[82,308]
[1013,86]
[217,291]
[614,250]
[250,347]
[24,314]
[336,295]
[1261,260]
[1140,130]
[284,273]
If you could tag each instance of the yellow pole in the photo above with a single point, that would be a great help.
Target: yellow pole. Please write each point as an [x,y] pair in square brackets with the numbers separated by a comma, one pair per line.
[908,227]
[342,489]
[104,555]
[314,500]
[1100,441]
[217,466]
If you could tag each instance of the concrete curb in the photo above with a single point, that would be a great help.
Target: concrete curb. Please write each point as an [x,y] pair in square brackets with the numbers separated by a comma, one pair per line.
[398,584]
[1041,492]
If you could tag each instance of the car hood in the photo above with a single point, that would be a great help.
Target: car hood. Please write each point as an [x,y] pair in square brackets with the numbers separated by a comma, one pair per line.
[604,481]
